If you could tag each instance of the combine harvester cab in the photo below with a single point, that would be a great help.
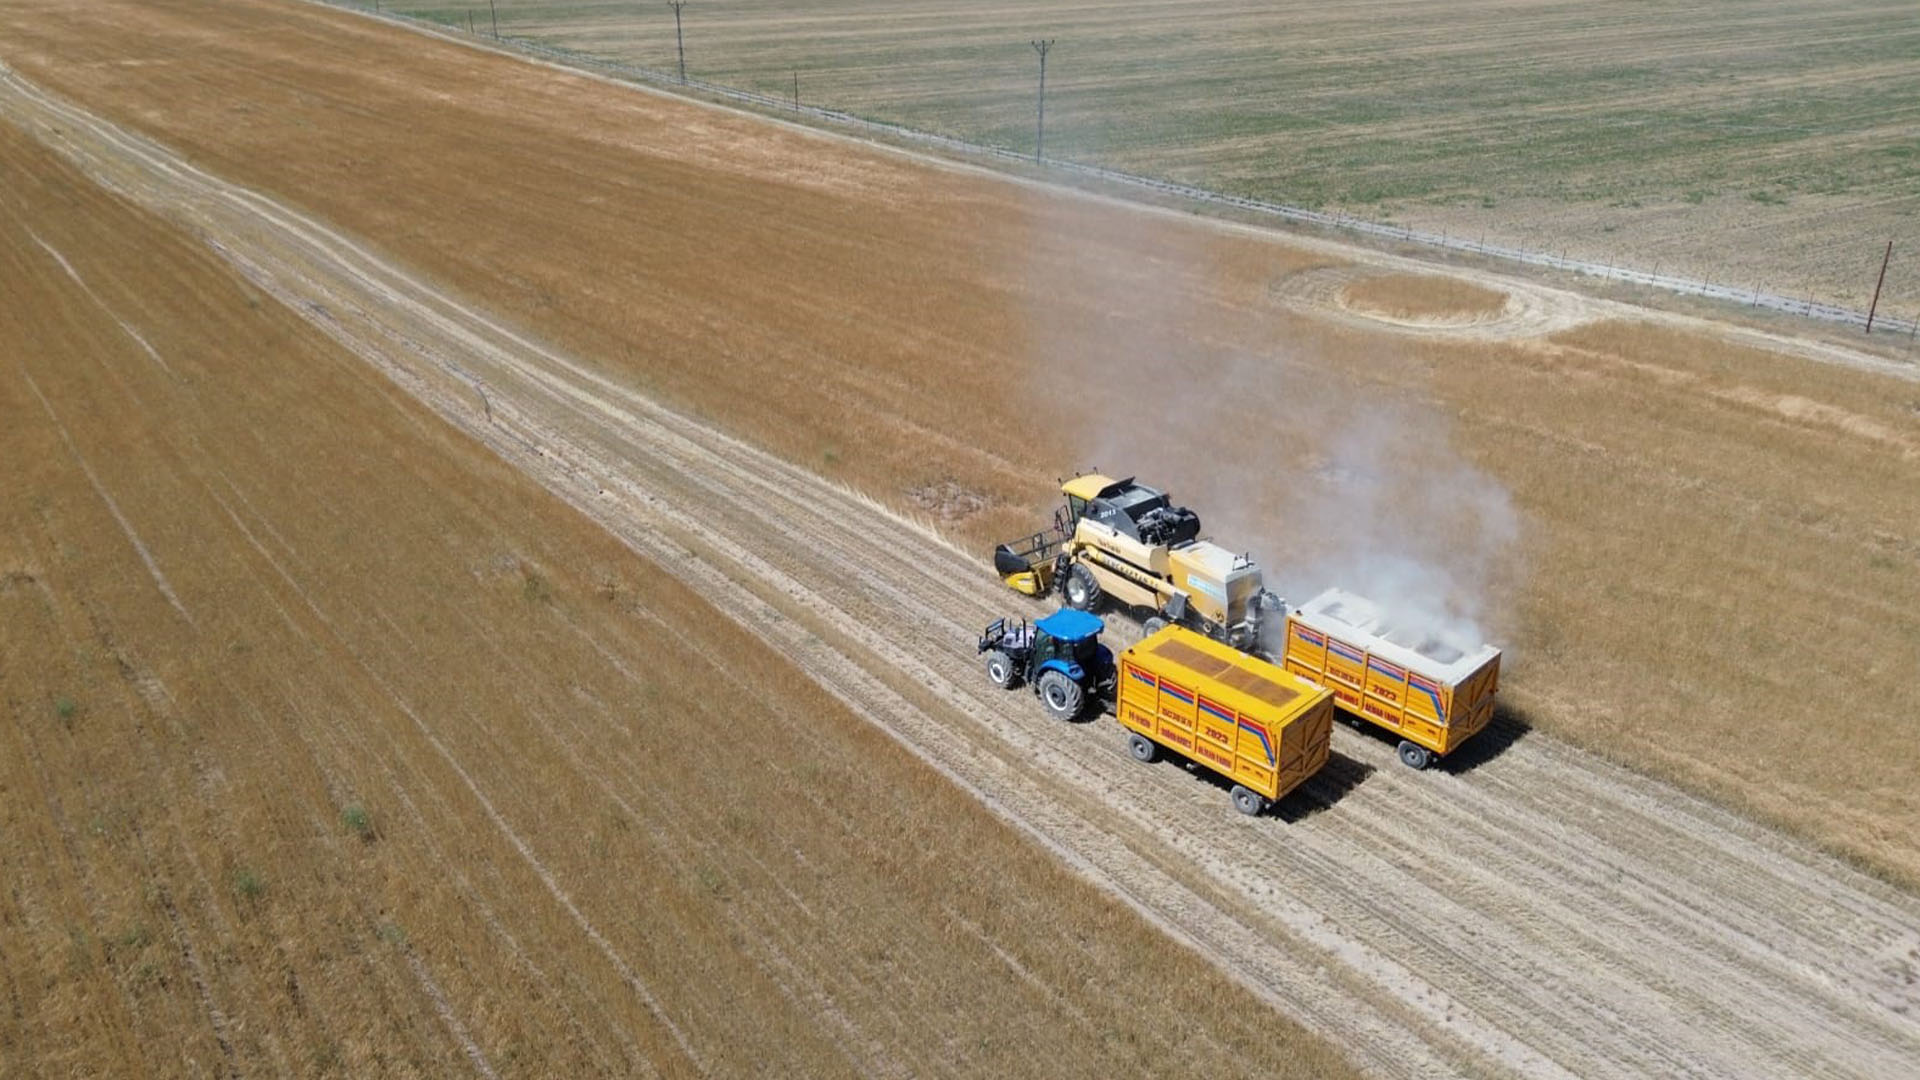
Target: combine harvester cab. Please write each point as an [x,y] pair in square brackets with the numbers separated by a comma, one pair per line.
[1124,541]
[1435,696]
[1262,728]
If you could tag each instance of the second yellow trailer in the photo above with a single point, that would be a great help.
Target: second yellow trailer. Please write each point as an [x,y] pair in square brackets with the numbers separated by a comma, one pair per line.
[1262,728]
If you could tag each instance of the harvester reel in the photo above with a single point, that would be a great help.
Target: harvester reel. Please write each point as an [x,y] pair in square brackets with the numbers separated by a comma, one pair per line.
[1062,696]
[1001,670]
[1083,589]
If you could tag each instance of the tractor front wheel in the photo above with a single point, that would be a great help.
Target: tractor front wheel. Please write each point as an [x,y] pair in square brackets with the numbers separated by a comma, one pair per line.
[1083,589]
[1062,696]
[1001,670]
[1152,626]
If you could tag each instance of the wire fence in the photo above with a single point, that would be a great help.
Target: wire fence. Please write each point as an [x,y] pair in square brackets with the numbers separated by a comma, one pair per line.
[1802,306]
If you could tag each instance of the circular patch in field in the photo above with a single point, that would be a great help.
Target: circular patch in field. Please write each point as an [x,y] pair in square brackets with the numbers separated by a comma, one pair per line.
[1428,305]
[1423,298]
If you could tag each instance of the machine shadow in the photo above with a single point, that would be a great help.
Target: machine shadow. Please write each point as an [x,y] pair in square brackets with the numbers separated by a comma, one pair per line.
[1335,780]
[1508,726]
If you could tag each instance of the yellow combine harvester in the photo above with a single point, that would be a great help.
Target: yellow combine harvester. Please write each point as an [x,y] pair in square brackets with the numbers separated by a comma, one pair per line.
[1126,541]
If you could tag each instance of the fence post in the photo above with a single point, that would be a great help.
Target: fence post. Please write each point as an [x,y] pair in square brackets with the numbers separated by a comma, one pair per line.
[1875,306]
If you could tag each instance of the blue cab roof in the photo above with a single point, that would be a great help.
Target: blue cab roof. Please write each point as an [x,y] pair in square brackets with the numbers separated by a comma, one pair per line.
[1070,625]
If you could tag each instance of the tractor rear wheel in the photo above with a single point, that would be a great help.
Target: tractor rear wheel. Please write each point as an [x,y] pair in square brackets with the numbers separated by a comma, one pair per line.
[1247,801]
[1083,589]
[1414,756]
[1062,696]
[1001,670]
[1143,748]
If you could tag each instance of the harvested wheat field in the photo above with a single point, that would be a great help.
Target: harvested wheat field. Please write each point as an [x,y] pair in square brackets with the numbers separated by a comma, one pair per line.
[334,745]
[740,354]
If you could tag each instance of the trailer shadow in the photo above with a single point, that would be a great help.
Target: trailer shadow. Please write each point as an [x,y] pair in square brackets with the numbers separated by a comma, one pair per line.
[1508,726]
[1335,780]
[1339,776]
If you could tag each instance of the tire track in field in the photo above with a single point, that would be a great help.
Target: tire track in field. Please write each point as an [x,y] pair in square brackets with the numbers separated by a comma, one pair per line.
[1544,914]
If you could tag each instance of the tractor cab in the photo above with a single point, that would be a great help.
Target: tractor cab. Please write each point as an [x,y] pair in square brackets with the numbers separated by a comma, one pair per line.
[1071,639]
[1059,656]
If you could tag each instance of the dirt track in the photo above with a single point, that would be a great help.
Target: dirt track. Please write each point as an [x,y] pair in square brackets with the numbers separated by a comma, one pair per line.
[1541,913]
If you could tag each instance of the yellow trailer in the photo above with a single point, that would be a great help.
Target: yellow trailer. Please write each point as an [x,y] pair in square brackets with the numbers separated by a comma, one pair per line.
[1434,694]
[1249,721]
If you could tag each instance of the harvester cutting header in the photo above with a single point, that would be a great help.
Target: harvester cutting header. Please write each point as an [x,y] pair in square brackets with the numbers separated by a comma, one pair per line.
[1126,541]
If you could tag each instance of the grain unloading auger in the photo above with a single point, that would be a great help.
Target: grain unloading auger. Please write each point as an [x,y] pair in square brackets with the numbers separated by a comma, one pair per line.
[1122,540]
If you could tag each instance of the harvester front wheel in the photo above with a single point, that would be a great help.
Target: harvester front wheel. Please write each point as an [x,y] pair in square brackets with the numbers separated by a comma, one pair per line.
[1414,756]
[1001,670]
[1247,801]
[1083,589]
[1142,748]
[1062,696]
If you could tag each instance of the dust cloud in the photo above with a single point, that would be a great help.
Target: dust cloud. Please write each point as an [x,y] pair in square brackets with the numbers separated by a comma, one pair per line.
[1305,446]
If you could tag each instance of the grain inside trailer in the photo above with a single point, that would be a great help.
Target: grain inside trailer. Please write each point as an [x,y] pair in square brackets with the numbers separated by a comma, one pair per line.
[1434,694]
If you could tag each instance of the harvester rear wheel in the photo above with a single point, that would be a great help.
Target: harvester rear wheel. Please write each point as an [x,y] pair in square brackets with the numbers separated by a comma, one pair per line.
[1001,670]
[1414,756]
[1143,748]
[1083,589]
[1061,695]
[1248,801]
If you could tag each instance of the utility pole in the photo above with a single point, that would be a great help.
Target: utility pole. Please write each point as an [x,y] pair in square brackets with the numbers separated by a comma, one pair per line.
[496,19]
[678,40]
[796,89]
[1040,123]
[1875,306]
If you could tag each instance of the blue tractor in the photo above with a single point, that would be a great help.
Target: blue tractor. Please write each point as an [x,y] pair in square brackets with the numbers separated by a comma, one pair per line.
[1059,656]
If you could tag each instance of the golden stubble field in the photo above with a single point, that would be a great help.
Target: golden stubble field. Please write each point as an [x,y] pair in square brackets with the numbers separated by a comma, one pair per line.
[333,745]
[1709,567]
[1762,143]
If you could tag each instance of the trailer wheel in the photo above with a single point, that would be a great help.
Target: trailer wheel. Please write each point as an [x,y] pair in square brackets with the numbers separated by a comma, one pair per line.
[1061,695]
[1083,589]
[1153,626]
[1143,748]
[1001,670]
[1247,801]
[1414,756]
